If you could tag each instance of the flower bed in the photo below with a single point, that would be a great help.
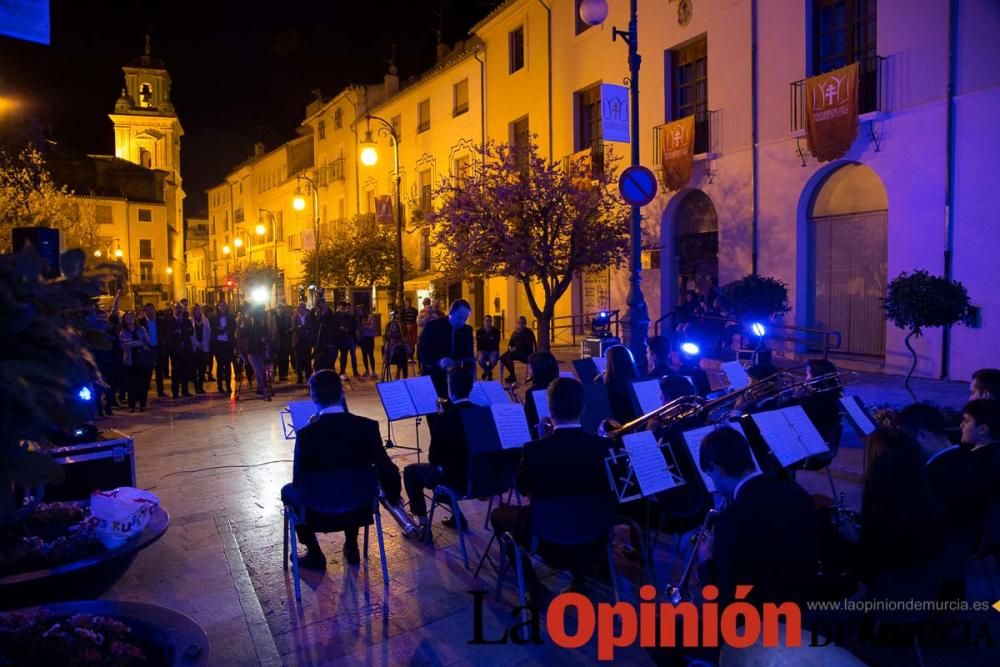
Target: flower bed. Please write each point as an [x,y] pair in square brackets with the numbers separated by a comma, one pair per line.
[80,640]
[53,534]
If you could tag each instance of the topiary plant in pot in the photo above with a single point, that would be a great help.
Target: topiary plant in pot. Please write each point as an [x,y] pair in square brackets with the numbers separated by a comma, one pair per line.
[754,297]
[45,361]
[918,300]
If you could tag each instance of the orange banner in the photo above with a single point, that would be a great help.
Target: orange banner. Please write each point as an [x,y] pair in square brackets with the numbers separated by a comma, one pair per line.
[832,112]
[677,144]
[383,209]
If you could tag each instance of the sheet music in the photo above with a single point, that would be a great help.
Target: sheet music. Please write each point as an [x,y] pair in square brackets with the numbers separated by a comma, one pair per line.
[422,393]
[647,392]
[512,425]
[478,395]
[396,400]
[495,392]
[541,400]
[692,440]
[601,363]
[805,431]
[736,374]
[301,412]
[852,404]
[567,374]
[648,463]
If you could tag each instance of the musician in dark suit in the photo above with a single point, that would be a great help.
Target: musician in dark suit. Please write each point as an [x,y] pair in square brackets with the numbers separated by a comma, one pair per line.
[981,433]
[569,462]
[657,357]
[334,441]
[448,454]
[957,485]
[766,534]
[446,343]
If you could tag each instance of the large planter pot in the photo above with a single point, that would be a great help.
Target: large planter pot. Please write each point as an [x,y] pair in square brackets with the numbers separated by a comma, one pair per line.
[85,578]
[169,638]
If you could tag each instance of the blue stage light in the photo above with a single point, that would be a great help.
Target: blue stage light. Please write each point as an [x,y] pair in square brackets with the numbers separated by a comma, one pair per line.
[84,394]
[603,315]
[758,329]
[690,349]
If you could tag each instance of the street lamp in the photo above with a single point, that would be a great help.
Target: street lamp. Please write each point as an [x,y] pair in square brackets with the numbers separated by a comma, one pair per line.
[299,204]
[369,156]
[594,12]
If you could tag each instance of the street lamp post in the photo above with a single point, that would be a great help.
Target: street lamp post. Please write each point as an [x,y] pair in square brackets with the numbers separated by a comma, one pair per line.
[299,204]
[593,12]
[369,156]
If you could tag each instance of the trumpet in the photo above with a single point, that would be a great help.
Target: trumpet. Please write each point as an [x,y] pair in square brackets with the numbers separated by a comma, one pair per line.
[678,592]
[401,516]
[822,383]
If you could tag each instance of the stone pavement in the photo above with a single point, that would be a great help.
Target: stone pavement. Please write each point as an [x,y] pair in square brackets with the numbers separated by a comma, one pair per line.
[218,467]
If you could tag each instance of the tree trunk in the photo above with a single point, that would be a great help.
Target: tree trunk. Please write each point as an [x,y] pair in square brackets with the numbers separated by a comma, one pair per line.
[913,366]
[544,327]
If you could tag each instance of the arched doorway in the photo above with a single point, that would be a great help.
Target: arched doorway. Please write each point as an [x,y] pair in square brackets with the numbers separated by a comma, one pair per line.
[696,243]
[848,239]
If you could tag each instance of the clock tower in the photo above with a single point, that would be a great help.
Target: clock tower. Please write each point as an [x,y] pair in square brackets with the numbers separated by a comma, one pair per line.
[148,133]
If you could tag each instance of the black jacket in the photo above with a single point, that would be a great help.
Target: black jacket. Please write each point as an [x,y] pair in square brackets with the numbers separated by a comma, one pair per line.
[439,340]
[304,333]
[766,537]
[229,329]
[488,341]
[342,440]
[449,446]
[522,342]
[570,462]
[177,334]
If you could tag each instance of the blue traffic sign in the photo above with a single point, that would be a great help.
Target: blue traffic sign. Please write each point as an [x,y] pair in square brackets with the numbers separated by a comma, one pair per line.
[637,185]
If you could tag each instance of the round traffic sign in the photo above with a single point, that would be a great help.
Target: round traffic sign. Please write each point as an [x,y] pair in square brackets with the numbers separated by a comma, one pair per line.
[637,185]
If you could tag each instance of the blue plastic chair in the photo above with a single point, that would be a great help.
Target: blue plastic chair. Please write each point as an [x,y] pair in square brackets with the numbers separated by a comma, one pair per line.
[335,496]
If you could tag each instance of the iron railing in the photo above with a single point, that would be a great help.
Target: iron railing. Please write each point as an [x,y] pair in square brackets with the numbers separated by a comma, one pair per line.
[873,91]
[565,329]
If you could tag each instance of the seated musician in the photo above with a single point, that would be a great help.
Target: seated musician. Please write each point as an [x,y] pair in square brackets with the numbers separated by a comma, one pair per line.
[955,482]
[618,376]
[448,455]
[570,462]
[544,369]
[334,440]
[981,432]
[765,536]
[985,384]
[900,519]
[657,357]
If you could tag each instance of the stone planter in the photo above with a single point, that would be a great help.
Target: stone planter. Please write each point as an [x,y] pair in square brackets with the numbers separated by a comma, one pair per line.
[85,578]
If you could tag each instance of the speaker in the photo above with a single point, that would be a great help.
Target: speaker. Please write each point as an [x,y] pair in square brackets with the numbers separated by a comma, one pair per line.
[46,241]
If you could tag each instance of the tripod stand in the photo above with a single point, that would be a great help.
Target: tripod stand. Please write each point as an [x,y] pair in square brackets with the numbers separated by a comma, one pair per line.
[265,389]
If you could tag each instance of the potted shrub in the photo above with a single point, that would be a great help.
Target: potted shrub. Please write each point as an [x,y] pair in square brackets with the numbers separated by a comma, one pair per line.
[756,298]
[918,300]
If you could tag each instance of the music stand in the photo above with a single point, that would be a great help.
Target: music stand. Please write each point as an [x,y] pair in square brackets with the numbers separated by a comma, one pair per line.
[404,399]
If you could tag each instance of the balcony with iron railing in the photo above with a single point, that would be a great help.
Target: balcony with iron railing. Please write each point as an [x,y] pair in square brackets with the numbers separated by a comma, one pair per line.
[873,93]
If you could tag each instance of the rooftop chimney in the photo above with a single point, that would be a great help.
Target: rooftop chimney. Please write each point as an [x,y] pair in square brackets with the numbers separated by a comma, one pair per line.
[258,149]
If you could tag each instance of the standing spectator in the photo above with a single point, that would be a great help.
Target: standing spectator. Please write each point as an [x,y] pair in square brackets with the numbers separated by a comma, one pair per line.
[200,343]
[408,316]
[154,325]
[138,359]
[366,340]
[283,322]
[209,313]
[303,332]
[178,333]
[324,341]
[253,336]
[224,338]
[488,347]
[396,351]
[425,315]
[346,336]
[520,347]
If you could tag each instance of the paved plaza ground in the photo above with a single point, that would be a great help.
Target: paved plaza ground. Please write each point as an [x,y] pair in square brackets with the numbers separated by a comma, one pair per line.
[218,467]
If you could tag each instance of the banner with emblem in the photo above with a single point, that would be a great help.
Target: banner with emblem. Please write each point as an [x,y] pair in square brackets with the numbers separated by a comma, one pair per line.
[677,160]
[383,209]
[832,112]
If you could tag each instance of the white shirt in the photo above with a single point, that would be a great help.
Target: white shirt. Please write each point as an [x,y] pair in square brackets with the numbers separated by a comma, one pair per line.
[743,481]
[940,452]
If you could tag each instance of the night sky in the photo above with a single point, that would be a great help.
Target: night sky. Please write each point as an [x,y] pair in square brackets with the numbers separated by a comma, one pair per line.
[241,71]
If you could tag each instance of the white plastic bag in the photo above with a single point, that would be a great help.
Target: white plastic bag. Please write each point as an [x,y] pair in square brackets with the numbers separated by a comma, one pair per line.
[121,513]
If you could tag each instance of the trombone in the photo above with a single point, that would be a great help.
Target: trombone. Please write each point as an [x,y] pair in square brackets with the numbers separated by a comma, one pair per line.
[683,407]
[678,592]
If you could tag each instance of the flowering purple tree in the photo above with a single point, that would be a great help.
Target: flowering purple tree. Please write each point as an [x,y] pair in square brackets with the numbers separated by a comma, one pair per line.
[517,215]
